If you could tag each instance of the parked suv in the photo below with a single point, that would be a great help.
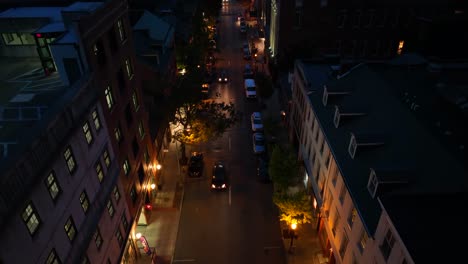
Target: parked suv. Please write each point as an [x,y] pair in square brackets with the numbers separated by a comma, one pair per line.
[195,168]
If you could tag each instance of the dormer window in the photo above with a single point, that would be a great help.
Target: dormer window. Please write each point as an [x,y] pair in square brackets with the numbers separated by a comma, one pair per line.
[336,118]
[325,95]
[372,183]
[352,146]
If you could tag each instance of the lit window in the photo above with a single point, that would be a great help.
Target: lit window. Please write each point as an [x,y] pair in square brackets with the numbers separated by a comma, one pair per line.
[70,159]
[70,229]
[99,172]
[141,130]
[84,201]
[129,68]
[401,44]
[53,258]
[363,241]
[106,158]
[52,185]
[110,208]
[121,29]
[87,133]
[135,100]
[116,193]
[118,134]
[98,238]
[126,167]
[352,217]
[97,122]
[109,97]
[31,218]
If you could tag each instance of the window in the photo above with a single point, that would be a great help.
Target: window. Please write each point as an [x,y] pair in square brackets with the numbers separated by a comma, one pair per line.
[119,237]
[98,238]
[335,177]
[363,241]
[53,258]
[372,183]
[99,172]
[344,244]
[126,167]
[124,222]
[141,174]
[97,122]
[99,52]
[342,193]
[85,260]
[70,229]
[387,244]
[70,159]
[106,157]
[335,222]
[146,156]
[110,208]
[52,185]
[109,97]
[135,100]
[118,134]
[401,44]
[87,133]
[112,40]
[18,39]
[129,68]
[141,130]
[357,19]
[31,218]
[84,201]
[121,29]
[352,217]
[121,80]
[116,193]
[133,194]
[352,146]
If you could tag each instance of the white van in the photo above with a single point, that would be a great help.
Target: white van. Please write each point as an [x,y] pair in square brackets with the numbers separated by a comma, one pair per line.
[250,88]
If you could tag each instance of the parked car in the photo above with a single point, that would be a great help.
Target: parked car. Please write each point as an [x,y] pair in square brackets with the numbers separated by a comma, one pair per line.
[195,168]
[248,72]
[256,121]
[223,76]
[246,54]
[205,88]
[258,141]
[243,27]
[219,180]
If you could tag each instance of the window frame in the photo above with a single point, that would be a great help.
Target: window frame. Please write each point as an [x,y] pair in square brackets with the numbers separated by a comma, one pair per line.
[126,167]
[121,29]
[99,171]
[96,120]
[110,100]
[70,160]
[33,214]
[55,258]
[70,229]
[106,157]
[50,185]
[84,201]
[88,133]
[98,239]
[110,208]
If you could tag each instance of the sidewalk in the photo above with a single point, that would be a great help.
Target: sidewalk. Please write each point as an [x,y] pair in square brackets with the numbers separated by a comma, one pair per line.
[163,220]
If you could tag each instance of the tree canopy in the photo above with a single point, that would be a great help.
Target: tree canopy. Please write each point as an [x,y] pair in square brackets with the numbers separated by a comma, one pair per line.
[294,208]
[283,167]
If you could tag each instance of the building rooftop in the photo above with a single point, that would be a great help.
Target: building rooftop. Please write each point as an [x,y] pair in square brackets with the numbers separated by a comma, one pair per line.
[409,146]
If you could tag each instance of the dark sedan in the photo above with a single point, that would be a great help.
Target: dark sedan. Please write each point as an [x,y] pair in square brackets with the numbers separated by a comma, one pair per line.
[195,168]
[219,180]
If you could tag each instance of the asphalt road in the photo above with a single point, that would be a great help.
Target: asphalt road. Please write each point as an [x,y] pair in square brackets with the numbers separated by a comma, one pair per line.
[239,225]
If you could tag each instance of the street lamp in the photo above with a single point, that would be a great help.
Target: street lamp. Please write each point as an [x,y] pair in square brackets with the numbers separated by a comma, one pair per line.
[292,235]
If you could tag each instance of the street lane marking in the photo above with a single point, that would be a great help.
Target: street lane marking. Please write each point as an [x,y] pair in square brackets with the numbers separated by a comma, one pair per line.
[183,260]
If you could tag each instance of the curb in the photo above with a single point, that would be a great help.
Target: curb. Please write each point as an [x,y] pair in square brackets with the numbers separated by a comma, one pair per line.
[178,219]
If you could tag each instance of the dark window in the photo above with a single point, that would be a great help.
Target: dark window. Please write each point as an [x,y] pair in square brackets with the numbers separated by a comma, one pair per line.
[135,147]
[124,222]
[141,174]
[118,234]
[116,193]
[52,186]
[98,238]
[133,194]
[98,49]
[70,229]
[128,115]
[387,244]
[112,40]
[31,218]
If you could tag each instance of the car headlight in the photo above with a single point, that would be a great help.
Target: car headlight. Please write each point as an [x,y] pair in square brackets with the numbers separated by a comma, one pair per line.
[213,186]
[219,79]
[225,79]
[223,186]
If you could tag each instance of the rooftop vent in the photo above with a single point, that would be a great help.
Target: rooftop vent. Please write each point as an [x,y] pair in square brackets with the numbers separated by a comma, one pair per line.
[342,114]
[383,181]
[363,142]
[329,93]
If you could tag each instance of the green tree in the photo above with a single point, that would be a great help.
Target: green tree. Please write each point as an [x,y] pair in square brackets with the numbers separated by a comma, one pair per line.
[283,168]
[202,121]
[294,208]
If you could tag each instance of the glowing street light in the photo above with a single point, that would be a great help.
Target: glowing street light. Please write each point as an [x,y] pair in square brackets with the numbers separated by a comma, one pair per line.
[158,167]
[292,235]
